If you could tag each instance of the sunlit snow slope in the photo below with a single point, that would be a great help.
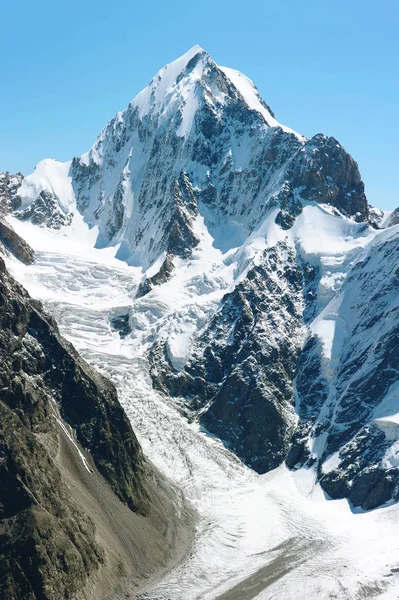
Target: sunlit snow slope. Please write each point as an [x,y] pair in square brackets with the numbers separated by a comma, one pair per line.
[271,536]
[228,275]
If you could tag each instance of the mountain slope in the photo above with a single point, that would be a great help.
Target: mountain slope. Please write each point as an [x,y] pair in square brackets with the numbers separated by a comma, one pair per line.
[276,533]
[242,236]
[69,458]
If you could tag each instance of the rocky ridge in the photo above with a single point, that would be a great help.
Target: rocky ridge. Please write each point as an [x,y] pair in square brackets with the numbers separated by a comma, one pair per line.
[66,445]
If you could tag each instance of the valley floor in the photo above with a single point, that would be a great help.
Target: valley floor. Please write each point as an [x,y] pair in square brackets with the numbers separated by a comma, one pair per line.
[274,536]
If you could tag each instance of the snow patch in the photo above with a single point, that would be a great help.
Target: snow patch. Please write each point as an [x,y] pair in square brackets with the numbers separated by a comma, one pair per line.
[51,175]
[331,463]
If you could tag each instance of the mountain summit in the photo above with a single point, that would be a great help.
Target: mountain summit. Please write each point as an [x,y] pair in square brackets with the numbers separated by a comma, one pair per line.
[198,140]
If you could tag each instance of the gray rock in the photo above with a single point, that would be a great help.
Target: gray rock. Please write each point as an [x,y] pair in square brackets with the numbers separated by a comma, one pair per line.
[49,543]
[239,379]
[394,218]
[15,244]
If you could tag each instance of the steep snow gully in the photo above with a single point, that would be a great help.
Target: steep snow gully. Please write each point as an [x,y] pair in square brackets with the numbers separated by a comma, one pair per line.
[270,536]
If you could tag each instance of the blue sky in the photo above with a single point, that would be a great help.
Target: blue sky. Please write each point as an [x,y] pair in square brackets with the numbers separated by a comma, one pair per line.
[323,66]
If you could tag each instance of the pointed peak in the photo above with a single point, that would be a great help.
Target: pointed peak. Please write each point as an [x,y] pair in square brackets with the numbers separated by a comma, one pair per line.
[169,77]
[193,51]
[180,63]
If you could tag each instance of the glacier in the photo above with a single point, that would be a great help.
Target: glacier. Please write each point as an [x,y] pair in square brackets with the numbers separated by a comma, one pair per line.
[258,536]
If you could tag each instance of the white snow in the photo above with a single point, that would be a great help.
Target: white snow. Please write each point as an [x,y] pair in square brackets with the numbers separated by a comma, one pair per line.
[51,175]
[189,108]
[386,416]
[277,535]
[278,529]
[248,91]
[386,218]
[161,85]
[331,463]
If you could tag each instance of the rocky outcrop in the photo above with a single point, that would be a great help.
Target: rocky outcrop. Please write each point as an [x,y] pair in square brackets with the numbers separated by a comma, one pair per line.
[160,277]
[9,187]
[68,459]
[376,216]
[121,324]
[48,547]
[347,401]
[394,218]
[238,381]
[45,210]
[15,243]
[325,172]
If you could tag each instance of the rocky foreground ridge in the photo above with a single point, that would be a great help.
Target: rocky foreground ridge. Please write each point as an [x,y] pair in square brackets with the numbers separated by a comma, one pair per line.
[69,459]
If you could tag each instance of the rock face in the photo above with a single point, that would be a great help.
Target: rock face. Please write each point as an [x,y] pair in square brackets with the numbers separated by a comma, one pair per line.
[52,402]
[160,276]
[9,187]
[198,139]
[45,210]
[266,289]
[15,243]
[239,378]
[48,546]
[394,218]
[353,402]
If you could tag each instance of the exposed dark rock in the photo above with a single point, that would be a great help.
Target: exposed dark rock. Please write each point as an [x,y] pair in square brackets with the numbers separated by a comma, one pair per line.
[45,210]
[239,379]
[376,216]
[374,487]
[9,186]
[326,173]
[181,238]
[394,218]
[372,338]
[15,244]
[122,325]
[370,489]
[49,548]
[163,275]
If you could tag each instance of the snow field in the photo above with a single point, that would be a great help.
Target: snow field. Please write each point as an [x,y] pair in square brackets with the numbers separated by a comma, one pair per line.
[273,536]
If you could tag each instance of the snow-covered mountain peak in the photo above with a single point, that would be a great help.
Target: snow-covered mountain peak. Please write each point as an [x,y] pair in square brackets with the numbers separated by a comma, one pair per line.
[180,89]
[175,79]
[198,141]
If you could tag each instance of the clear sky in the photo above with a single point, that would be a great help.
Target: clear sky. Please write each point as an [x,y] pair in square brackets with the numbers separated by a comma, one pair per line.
[328,66]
